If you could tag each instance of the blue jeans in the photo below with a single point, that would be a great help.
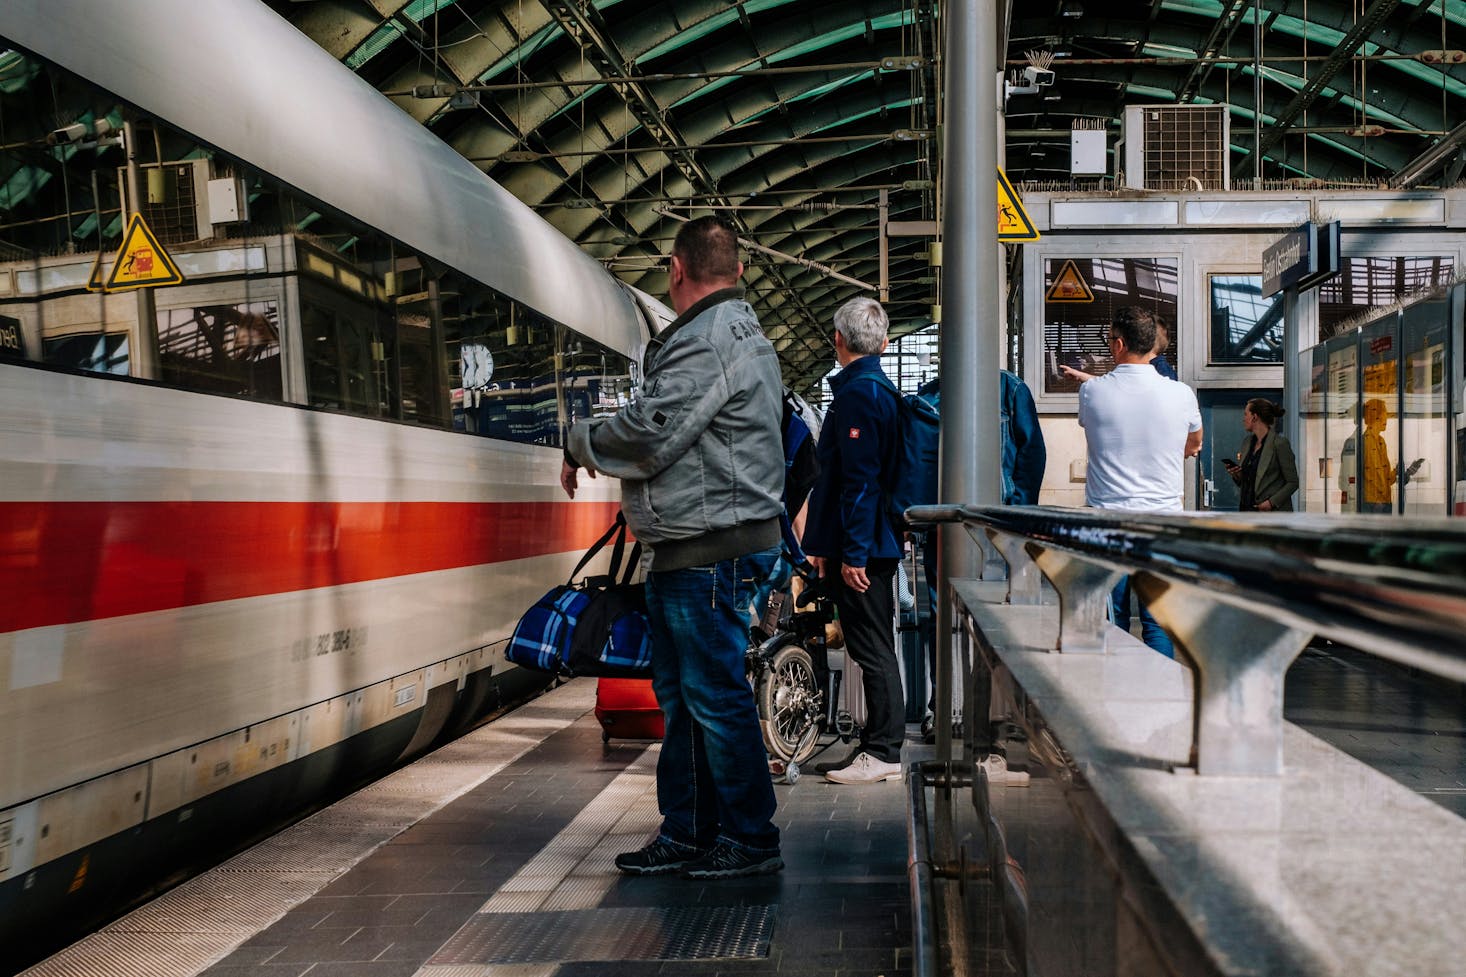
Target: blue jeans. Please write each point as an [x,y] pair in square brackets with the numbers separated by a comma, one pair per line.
[1150,630]
[713,779]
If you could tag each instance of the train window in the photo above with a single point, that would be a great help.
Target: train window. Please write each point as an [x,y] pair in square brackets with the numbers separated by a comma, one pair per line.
[267,274]
[502,360]
[421,370]
[1080,297]
[597,380]
[228,349]
[347,358]
[1245,327]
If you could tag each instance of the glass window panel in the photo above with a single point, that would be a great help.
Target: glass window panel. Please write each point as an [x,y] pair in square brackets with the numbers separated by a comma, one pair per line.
[1245,327]
[503,360]
[1424,417]
[225,349]
[597,380]
[1074,331]
[346,355]
[1365,284]
[385,333]
[95,352]
[1371,451]
[913,359]
[1316,474]
[1340,377]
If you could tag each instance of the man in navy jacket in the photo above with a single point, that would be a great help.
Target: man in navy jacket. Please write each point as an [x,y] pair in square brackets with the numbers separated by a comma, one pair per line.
[850,538]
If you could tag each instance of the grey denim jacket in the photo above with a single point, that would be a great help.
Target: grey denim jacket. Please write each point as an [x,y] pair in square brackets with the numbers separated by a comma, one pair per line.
[699,450]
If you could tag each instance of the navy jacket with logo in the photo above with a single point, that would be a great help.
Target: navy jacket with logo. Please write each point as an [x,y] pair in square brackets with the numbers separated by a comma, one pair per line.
[847,520]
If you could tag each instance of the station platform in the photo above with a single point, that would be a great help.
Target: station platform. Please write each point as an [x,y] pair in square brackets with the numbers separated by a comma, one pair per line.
[493,856]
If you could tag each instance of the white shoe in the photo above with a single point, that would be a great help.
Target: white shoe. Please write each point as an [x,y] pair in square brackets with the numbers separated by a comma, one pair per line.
[865,769]
[999,775]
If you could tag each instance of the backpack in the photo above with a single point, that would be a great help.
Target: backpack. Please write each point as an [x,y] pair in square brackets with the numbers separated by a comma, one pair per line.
[913,474]
[800,429]
[801,462]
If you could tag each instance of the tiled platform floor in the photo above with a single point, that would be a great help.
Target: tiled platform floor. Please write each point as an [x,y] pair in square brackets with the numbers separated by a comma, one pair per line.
[841,904]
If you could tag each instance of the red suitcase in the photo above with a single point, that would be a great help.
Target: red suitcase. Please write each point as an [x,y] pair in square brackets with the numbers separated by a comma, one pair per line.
[627,709]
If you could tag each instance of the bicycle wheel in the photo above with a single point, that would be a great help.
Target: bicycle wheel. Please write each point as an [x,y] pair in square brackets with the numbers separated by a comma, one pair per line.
[790,703]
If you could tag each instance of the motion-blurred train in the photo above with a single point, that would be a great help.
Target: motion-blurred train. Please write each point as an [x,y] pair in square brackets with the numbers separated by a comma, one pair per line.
[282,383]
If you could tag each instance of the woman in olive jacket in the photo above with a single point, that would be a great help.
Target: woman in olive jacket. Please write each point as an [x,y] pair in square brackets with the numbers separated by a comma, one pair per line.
[1267,474]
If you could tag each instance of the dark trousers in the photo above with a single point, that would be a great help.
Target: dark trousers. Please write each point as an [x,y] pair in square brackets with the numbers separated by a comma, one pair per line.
[869,623]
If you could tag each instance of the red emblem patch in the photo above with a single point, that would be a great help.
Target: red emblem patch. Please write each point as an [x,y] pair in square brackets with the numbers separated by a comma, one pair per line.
[855,432]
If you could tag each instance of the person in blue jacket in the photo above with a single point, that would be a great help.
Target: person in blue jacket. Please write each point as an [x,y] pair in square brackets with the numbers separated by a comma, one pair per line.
[1024,458]
[851,539]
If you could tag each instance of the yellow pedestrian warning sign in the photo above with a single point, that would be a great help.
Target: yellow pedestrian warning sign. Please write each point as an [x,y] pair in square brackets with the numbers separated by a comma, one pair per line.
[141,261]
[1070,286]
[1013,222]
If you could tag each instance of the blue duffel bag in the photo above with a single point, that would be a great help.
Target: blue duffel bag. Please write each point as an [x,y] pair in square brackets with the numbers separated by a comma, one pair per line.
[597,627]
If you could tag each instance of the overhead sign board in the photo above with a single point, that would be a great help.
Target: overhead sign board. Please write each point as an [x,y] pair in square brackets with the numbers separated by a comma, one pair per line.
[1013,221]
[141,261]
[1302,258]
[1326,242]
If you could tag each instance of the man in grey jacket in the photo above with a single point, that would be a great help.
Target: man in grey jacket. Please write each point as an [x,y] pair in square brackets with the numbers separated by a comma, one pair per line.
[701,461]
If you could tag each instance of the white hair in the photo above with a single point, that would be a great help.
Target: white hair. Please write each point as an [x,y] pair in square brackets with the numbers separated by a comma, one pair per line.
[863,323]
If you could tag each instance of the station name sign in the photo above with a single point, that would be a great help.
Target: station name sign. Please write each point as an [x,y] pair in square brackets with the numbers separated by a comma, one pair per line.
[12,340]
[1302,258]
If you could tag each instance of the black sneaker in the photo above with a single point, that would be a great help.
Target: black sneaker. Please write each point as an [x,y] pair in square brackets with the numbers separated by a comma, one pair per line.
[726,861]
[661,857]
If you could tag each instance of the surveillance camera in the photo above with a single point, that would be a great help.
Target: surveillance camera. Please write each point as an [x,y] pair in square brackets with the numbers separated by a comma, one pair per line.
[78,131]
[1042,77]
[67,134]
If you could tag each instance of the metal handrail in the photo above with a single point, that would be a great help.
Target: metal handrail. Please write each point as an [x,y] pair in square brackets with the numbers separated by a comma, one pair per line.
[1395,587]
[924,956]
[1242,594]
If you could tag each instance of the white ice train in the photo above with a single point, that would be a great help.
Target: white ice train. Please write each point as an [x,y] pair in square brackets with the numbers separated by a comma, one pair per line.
[264,526]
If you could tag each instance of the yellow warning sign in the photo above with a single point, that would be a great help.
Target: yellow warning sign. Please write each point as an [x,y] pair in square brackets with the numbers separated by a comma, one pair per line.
[141,261]
[1013,222]
[1070,286]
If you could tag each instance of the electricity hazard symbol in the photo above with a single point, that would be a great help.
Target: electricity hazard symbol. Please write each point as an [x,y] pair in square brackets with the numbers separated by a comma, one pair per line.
[1070,286]
[141,261]
[1013,222]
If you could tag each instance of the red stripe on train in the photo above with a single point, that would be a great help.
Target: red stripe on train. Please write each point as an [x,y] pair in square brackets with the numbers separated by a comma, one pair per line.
[63,562]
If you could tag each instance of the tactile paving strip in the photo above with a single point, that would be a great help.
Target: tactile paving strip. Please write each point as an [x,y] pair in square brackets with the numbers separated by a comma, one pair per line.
[630,933]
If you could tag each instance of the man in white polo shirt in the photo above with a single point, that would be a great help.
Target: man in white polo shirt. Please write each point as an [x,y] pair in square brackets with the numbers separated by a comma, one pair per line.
[1140,428]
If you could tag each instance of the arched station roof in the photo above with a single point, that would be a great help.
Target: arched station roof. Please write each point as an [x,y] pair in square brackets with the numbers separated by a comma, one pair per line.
[615,119]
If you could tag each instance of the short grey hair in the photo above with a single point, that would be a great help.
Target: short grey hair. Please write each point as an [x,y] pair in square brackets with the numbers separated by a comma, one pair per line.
[863,323]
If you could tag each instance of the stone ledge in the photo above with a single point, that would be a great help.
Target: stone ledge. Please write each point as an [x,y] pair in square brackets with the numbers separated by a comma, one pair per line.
[1332,868]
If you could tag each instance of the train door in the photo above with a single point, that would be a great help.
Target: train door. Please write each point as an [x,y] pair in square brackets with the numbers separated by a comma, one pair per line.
[1222,434]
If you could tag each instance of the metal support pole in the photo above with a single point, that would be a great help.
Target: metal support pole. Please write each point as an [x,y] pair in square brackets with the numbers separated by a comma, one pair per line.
[1292,377]
[885,211]
[971,307]
[1257,95]
[145,349]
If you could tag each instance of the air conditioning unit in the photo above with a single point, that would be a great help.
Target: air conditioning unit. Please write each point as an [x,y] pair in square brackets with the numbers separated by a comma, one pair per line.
[183,201]
[1176,147]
